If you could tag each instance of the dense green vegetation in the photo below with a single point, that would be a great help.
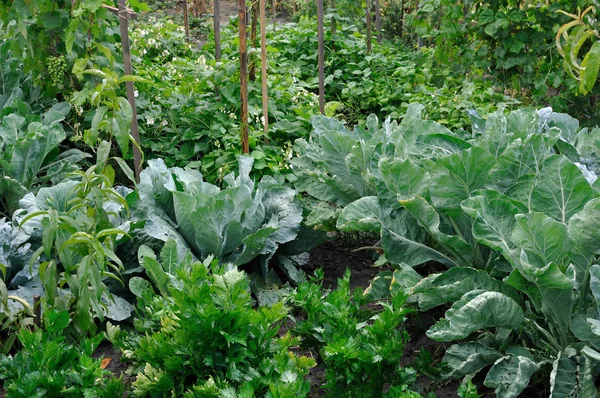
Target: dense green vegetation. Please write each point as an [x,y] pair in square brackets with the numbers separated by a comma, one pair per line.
[460,153]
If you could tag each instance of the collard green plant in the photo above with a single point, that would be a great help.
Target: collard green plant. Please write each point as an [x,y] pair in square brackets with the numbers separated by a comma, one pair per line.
[242,222]
[29,145]
[510,209]
[201,335]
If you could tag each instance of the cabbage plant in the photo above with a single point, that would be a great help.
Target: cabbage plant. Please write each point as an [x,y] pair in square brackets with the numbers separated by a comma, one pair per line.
[242,222]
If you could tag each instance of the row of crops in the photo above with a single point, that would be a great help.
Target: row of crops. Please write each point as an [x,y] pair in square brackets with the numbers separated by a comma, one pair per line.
[436,165]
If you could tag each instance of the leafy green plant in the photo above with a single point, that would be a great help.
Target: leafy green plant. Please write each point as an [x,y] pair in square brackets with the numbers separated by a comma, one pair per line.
[75,227]
[201,334]
[360,347]
[48,366]
[505,208]
[575,34]
[237,224]
[29,145]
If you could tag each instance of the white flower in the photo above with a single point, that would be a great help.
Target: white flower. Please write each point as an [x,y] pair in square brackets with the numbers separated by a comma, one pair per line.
[164,123]
[232,115]
[149,121]
[136,93]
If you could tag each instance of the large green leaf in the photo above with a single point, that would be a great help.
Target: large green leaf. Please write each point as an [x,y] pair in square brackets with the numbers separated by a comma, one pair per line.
[521,158]
[493,219]
[572,377]
[468,359]
[584,227]
[475,311]
[155,187]
[552,289]
[455,177]
[429,220]
[360,215]
[31,149]
[510,375]
[561,191]
[450,286]
[403,241]
[400,179]
[543,239]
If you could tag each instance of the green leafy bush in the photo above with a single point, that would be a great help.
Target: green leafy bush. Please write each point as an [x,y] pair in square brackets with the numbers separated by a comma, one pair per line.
[509,208]
[201,334]
[47,366]
[361,347]
[29,146]
[73,228]
[237,224]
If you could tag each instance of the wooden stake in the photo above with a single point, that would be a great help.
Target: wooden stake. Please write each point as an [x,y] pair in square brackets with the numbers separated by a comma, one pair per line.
[274,15]
[186,22]
[333,22]
[369,29]
[253,41]
[419,40]
[321,57]
[378,21]
[217,29]
[402,19]
[263,70]
[128,69]
[243,75]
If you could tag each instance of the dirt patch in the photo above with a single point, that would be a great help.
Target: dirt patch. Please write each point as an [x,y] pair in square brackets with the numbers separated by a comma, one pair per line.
[118,368]
[335,257]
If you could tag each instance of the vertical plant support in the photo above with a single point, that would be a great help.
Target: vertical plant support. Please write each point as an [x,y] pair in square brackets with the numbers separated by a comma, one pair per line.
[217,29]
[419,39]
[274,5]
[321,38]
[128,69]
[243,75]
[402,18]
[333,22]
[253,40]
[369,28]
[263,70]
[378,20]
[186,22]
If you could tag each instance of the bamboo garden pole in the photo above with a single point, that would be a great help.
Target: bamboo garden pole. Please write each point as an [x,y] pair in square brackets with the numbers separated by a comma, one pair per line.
[186,22]
[321,38]
[378,21]
[217,29]
[333,22]
[369,29]
[243,75]
[253,41]
[263,64]
[128,69]
[274,5]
